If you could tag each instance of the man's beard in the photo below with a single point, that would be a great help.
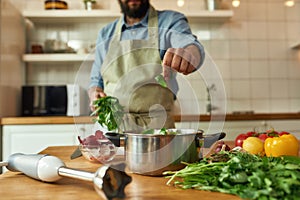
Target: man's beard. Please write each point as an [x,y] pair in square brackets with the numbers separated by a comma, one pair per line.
[137,12]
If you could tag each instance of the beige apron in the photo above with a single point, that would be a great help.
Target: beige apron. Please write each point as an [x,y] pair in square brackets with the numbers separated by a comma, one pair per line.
[129,71]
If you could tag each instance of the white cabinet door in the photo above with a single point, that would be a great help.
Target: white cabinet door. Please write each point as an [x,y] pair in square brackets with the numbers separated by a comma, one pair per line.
[31,139]
[34,138]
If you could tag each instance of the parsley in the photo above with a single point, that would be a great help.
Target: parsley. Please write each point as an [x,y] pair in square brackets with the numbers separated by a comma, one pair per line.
[246,175]
[109,112]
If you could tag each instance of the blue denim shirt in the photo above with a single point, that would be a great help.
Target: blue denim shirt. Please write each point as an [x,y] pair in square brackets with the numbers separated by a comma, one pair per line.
[174,31]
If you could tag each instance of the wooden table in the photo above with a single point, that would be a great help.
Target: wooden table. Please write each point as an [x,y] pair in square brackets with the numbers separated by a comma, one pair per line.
[16,186]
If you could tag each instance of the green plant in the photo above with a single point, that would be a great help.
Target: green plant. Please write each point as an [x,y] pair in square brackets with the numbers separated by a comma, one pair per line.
[109,112]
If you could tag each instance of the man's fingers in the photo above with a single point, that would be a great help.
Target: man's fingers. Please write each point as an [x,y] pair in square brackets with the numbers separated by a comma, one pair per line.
[177,59]
[168,57]
[95,94]
[166,72]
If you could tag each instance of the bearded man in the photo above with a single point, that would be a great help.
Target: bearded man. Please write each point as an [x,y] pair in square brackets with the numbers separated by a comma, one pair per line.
[133,51]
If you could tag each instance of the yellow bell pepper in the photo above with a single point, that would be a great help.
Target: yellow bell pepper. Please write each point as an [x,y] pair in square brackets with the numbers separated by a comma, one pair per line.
[286,144]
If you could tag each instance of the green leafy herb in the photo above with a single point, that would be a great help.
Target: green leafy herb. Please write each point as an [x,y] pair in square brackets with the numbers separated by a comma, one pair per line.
[109,112]
[148,131]
[162,131]
[161,80]
[246,175]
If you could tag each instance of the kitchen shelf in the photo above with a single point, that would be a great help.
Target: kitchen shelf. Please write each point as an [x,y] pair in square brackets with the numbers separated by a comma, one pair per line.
[63,16]
[57,57]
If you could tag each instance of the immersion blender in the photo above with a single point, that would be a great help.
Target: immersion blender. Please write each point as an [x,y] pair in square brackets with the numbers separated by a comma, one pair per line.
[109,181]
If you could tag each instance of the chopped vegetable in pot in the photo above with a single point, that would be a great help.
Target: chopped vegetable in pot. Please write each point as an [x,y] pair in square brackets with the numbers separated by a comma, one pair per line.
[162,131]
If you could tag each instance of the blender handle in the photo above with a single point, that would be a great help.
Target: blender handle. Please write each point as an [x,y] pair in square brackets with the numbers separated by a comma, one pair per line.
[38,166]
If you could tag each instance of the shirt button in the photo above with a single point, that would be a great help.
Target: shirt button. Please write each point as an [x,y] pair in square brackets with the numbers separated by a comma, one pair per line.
[133,32]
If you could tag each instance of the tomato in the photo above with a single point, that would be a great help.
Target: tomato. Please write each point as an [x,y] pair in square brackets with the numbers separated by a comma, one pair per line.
[272,133]
[240,139]
[254,145]
[283,133]
[263,136]
[251,133]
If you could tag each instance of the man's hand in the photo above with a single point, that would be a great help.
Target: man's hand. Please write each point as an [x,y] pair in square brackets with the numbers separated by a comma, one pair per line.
[182,60]
[94,94]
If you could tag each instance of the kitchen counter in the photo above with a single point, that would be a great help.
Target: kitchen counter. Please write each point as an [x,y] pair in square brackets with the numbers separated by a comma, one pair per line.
[15,185]
[178,118]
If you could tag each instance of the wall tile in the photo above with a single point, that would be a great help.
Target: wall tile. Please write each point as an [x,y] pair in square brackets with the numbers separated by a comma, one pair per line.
[240,105]
[259,69]
[257,10]
[279,105]
[258,49]
[293,88]
[239,49]
[219,49]
[275,11]
[294,105]
[238,30]
[187,90]
[278,88]
[37,74]
[224,68]
[219,31]
[241,13]
[260,89]
[240,89]
[257,30]
[260,105]
[276,30]
[292,13]
[292,30]
[227,88]
[293,69]
[278,69]
[189,107]
[278,49]
[239,69]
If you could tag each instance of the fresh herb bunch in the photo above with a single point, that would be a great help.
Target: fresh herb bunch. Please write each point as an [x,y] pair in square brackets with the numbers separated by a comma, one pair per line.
[109,112]
[246,175]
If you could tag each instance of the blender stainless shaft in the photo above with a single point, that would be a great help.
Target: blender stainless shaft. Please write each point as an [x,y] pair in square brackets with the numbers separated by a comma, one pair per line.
[76,174]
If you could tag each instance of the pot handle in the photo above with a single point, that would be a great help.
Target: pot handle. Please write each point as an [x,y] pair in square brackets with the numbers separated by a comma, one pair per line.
[115,138]
[212,138]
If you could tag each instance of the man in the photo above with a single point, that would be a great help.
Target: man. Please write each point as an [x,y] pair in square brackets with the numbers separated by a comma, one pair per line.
[131,54]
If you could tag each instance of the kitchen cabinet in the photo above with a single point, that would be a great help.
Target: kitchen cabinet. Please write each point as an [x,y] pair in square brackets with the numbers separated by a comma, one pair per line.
[34,138]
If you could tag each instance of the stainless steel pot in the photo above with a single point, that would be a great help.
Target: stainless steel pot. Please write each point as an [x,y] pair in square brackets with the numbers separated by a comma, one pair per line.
[152,154]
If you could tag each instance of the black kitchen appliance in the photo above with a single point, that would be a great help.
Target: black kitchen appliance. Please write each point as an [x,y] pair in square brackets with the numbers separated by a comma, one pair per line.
[44,100]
